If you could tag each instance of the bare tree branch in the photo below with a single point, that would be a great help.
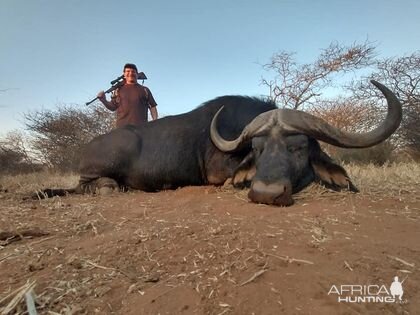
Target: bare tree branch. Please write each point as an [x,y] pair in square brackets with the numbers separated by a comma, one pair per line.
[296,85]
[402,75]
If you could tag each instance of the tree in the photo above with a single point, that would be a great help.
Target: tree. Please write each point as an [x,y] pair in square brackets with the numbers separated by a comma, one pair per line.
[353,116]
[401,75]
[296,85]
[15,157]
[58,135]
[300,86]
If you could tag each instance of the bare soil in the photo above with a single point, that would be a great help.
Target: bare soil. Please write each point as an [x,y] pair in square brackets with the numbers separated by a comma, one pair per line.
[207,250]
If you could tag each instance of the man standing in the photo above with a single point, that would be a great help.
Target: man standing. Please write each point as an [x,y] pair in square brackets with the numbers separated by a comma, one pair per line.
[131,101]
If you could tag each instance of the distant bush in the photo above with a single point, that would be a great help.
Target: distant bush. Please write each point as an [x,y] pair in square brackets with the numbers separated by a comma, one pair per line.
[13,163]
[58,136]
[14,156]
[377,155]
[354,117]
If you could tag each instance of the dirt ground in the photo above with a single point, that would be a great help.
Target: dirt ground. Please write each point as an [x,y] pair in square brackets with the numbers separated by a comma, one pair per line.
[207,250]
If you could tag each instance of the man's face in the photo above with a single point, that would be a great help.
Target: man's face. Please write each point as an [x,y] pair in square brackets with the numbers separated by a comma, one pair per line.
[130,75]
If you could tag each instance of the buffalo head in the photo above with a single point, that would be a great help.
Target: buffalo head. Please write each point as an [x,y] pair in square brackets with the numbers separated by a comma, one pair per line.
[286,155]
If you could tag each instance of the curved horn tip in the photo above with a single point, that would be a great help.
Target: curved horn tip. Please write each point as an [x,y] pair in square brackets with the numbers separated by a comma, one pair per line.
[377,84]
[218,141]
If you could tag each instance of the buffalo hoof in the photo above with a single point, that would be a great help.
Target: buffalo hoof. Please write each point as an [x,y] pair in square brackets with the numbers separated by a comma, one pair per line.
[104,191]
[106,186]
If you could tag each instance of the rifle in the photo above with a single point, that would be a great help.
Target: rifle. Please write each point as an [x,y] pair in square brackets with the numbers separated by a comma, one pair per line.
[117,83]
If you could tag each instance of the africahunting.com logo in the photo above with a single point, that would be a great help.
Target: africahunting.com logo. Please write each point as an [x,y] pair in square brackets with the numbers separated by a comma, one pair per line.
[369,293]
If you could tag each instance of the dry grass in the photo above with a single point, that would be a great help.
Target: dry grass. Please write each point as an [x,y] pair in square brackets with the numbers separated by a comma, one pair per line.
[199,249]
[388,180]
[31,182]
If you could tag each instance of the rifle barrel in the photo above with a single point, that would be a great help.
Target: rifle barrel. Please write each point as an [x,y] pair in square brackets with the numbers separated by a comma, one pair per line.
[90,102]
[112,88]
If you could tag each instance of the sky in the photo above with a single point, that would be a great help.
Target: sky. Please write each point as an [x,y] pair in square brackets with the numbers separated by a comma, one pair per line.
[55,52]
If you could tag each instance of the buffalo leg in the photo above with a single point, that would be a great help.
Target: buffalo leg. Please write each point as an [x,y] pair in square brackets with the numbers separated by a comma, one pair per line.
[101,185]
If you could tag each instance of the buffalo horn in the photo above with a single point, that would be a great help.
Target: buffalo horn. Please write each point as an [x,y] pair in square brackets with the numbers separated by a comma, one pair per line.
[298,122]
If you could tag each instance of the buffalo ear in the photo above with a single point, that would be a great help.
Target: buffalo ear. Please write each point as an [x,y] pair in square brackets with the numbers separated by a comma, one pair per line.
[245,172]
[327,171]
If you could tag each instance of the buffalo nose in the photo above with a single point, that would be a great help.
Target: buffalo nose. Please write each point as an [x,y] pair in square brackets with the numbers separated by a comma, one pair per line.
[279,194]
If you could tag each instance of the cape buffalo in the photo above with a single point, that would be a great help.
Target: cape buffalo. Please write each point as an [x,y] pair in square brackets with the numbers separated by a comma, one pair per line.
[272,151]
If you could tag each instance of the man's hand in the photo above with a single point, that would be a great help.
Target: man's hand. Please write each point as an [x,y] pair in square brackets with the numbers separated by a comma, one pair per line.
[101,96]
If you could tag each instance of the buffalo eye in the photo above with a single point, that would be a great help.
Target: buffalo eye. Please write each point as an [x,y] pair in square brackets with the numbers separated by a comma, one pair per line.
[292,149]
[258,145]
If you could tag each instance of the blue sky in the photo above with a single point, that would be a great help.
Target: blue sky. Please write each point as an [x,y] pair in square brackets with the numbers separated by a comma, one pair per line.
[63,52]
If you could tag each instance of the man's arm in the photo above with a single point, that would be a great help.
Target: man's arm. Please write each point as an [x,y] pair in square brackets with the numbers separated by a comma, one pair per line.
[110,105]
[153,112]
[152,104]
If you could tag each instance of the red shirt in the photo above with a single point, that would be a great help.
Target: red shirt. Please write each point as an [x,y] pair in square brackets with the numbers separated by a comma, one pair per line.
[132,102]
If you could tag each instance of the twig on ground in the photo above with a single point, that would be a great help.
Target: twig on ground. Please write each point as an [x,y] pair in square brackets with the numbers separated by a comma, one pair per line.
[348,266]
[254,276]
[291,260]
[43,240]
[402,261]
[20,293]
[5,257]
[30,302]
[8,236]
[99,266]
[164,292]
[225,310]
[109,268]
